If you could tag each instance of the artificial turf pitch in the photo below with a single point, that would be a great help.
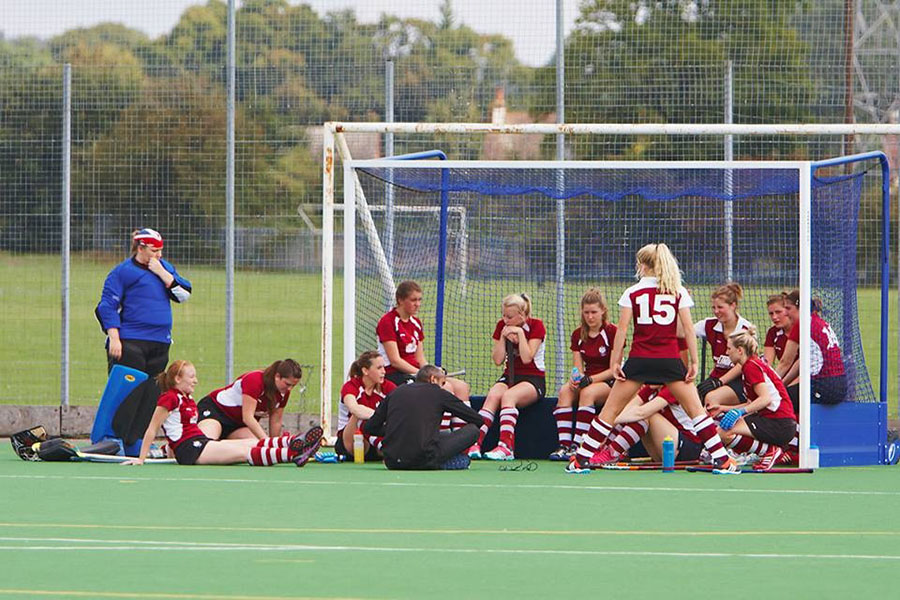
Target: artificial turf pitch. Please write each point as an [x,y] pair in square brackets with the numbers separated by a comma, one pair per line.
[79,530]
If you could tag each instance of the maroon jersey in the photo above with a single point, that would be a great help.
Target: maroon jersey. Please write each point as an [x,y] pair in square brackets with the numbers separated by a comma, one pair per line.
[230,398]
[406,334]
[826,359]
[181,424]
[756,371]
[776,338]
[534,330]
[354,387]
[713,331]
[655,319]
[594,350]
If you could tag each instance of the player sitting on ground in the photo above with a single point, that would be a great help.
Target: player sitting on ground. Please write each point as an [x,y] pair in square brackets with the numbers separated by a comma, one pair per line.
[234,411]
[767,415]
[723,386]
[652,416]
[364,389]
[176,412]
[592,378]
[655,304]
[518,340]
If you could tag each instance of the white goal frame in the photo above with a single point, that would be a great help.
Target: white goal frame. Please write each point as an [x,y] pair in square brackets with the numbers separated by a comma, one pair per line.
[335,146]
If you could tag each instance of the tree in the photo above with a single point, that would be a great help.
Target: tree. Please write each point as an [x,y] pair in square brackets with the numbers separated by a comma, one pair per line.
[664,61]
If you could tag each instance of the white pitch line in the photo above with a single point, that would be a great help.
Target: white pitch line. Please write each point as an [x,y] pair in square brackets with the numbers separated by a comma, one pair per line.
[131,545]
[525,486]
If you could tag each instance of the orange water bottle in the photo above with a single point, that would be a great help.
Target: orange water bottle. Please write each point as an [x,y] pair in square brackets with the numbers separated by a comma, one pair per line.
[359,449]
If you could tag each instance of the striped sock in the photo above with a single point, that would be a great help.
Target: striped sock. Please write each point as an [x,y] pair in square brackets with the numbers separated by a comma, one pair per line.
[595,437]
[508,419]
[630,435]
[488,418]
[747,445]
[705,429]
[583,418]
[563,416]
[445,421]
[264,457]
[274,442]
[375,442]
[456,423]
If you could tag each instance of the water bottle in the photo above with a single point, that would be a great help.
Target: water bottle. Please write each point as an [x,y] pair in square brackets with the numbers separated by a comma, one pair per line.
[668,455]
[359,449]
[576,375]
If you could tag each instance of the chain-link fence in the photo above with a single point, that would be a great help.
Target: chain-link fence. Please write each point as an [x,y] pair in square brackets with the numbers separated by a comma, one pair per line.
[149,133]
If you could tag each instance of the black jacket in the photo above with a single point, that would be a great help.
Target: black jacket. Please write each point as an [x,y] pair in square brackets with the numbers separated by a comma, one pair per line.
[409,419]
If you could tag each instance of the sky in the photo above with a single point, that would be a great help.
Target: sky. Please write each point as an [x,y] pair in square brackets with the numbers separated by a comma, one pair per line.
[530,24]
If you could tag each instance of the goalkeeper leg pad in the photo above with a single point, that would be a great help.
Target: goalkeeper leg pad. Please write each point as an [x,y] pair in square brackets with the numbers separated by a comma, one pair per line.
[55,450]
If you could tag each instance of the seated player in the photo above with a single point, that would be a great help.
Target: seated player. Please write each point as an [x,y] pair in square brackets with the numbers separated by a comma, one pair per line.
[652,416]
[176,412]
[364,389]
[518,343]
[590,346]
[828,381]
[234,411]
[777,335]
[401,340]
[767,415]
[723,386]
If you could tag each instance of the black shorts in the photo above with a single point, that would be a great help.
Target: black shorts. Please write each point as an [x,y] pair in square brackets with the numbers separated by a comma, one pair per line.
[828,390]
[825,390]
[340,449]
[398,378]
[208,409]
[539,383]
[779,432]
[737,386]
[688,449]
[190,450]
[654,370]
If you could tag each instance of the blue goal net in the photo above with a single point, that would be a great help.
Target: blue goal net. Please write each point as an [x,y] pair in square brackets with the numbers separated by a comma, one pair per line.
[554,232]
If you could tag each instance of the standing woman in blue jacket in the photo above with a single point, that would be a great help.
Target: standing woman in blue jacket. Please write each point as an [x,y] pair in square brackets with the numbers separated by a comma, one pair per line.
[135,308]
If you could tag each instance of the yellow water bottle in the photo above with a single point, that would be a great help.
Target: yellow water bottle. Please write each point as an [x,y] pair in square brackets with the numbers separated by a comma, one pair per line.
[359,449]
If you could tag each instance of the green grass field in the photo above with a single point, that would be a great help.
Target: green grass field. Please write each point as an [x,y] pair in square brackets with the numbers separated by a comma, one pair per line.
[358,531]
[276,315]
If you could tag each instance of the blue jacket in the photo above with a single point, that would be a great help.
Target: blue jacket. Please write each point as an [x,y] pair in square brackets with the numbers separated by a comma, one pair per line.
[136,301]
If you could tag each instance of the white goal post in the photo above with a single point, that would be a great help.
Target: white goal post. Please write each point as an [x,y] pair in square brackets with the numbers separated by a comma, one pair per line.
[335,147]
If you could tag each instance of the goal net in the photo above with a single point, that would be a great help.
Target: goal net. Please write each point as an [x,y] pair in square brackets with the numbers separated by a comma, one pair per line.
[471,232]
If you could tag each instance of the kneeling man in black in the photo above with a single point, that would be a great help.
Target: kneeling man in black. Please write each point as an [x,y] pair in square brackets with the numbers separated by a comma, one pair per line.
[409,419]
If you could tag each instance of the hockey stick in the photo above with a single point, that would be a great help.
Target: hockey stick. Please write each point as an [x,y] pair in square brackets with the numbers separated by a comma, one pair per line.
[510,362]
[459,373]
[116,459]
[773,471]
[645,465]
[651,467]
